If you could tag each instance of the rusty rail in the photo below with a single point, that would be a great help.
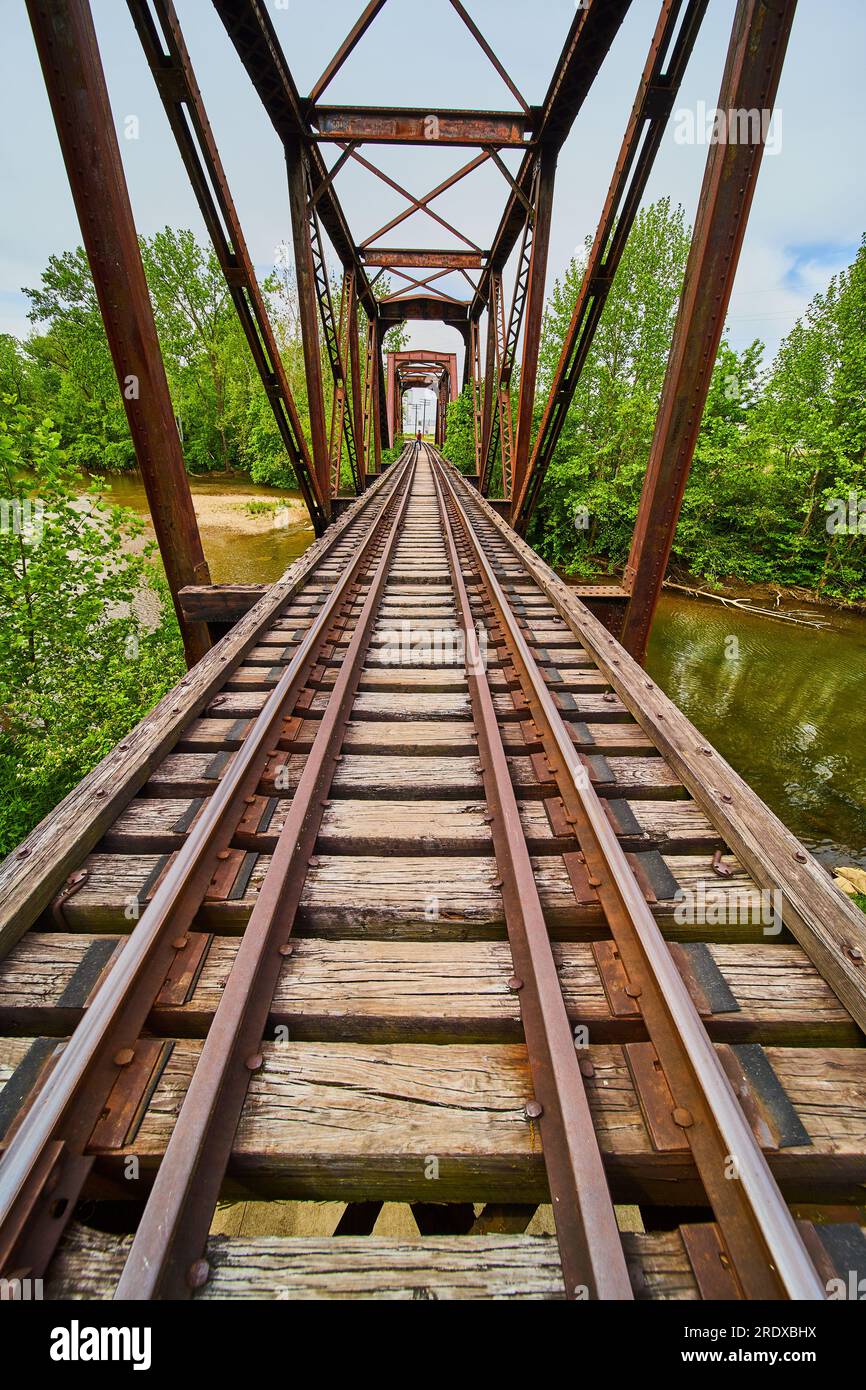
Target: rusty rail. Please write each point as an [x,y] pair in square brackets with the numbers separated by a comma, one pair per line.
[45,1164]
[762,1239]
[589,1243]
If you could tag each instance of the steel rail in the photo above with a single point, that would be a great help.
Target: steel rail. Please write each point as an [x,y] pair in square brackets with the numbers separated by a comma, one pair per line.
[765,1246]
[45,1163]
[165,1260]
[590,1247]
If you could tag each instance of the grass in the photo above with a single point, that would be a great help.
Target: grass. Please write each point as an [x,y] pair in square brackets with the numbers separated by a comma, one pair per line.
[265,507]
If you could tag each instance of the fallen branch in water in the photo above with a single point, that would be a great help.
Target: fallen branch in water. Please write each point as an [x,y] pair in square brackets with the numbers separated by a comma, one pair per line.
[746,606]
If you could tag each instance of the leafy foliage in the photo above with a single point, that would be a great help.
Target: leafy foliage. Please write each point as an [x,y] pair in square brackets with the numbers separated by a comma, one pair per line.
[779,449]
[79,662]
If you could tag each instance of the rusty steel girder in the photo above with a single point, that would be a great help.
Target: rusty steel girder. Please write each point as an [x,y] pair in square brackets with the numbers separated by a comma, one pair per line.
[659,84]
[75,82]
[759,39]
[165,49]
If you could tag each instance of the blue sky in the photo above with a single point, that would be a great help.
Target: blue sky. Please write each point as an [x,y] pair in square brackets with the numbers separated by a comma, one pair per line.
[808,217]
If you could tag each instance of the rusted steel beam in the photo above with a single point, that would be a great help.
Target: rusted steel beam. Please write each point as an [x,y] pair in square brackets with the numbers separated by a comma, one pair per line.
[488,52]
[425,307]
[758,43]
[659,84]
[378,396]
[430,260]
[590,1246]
[385,437]
[165,49]
[356,33]
[439,297]
[391,125]
[534,314]
[415,282]
[339,401]
[473,362]
[308,311]
[487,407]
[413,355]
[422,204]
[592,32]
[75,81]
[372,432]
[357,395]
[251,30]
[508,328]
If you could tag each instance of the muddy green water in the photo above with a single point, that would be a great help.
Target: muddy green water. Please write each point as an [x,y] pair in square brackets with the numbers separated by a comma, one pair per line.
[240,549]
[784,704]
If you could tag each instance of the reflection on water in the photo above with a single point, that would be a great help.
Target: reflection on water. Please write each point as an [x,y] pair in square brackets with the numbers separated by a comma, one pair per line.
[783,704]
[786,710]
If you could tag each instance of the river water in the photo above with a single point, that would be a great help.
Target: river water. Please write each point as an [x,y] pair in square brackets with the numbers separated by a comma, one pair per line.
[784,704]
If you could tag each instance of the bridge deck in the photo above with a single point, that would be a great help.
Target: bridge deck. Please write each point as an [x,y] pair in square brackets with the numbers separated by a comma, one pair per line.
[398,1061]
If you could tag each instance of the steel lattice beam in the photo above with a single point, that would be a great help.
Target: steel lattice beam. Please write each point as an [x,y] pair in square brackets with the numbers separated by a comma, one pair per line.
[659,84]
[592,32]
[75,82]
[169,61]
[759,40]
[251,30]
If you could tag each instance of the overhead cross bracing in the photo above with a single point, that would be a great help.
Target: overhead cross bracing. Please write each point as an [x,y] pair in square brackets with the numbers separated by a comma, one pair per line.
[465,282]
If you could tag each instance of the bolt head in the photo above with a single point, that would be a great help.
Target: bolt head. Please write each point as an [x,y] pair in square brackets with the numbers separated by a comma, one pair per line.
[124,1057]
[198,1274]
[682,1117]
[533,1109]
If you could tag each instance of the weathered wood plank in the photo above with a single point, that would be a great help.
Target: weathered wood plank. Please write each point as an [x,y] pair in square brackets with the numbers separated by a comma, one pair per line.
[220,603]
[384,776]
[369,1267]
[160,824]
[387,991]
[424,897]
[496,1267]
[353,1122]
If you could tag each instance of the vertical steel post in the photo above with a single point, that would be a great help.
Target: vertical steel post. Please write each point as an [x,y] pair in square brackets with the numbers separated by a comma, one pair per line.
[357,397]
[164,47]
[534,317]
[382,420]
[69,54]
[391,387]
[489,383]
[474,354]
[757,49]
[308,309]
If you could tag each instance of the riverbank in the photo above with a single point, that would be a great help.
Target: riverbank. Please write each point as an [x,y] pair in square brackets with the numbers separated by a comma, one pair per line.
[250,533]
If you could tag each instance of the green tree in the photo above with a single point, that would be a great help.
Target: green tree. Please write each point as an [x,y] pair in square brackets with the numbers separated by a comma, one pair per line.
[77,382]
[595,477]
[78,665]
[460,435]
